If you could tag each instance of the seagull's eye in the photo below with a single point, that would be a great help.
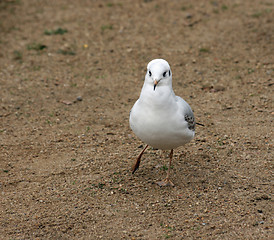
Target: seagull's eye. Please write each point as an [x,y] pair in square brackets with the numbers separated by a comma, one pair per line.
[149,73]
[164,74]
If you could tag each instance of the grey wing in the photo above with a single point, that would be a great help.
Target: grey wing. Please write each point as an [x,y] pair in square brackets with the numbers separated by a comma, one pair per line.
[188,114]
[189,117]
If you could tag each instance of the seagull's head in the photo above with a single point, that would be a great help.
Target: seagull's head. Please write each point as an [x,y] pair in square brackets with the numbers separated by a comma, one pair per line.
[158,72]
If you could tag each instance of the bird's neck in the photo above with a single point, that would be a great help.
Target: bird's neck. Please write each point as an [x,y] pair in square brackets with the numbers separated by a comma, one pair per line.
[161,96]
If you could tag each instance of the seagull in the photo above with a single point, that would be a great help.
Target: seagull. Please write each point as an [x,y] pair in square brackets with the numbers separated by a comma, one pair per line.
[159,118]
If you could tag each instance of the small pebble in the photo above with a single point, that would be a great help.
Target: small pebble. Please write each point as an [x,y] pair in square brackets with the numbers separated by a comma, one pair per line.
[79,98]
[188,16]
[219,88]
[66,102]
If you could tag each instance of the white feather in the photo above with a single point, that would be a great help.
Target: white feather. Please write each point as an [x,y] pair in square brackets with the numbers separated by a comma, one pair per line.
[158,116]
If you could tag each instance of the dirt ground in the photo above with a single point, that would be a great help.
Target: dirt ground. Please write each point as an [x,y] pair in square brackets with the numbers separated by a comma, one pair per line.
[70,71]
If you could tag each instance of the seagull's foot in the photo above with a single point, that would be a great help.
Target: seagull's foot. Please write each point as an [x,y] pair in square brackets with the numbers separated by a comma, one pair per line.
[165,183]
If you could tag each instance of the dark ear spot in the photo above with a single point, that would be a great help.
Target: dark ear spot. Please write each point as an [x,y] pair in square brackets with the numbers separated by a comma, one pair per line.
[169,72]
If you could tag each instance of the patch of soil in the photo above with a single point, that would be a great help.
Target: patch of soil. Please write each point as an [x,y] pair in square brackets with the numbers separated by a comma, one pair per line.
[70,71]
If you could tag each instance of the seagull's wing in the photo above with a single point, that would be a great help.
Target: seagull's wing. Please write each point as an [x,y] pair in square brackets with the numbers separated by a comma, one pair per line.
[187,112]
[190,121]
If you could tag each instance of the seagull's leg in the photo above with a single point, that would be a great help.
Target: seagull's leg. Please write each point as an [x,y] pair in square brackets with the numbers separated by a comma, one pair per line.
[136,165]
[167,181]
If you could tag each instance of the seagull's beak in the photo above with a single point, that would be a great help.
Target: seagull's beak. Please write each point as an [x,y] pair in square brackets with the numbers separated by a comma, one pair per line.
[155,84]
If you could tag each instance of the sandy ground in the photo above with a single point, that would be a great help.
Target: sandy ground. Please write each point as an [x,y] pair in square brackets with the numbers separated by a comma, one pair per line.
[70,71]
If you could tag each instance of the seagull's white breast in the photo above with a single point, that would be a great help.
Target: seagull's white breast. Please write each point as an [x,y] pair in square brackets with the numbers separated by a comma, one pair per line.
[157,118]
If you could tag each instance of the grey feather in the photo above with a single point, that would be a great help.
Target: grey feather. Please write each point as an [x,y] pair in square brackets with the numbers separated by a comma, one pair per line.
[190,121]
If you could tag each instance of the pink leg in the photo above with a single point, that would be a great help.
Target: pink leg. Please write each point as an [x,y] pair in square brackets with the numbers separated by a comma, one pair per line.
[137,163]
[167,181]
